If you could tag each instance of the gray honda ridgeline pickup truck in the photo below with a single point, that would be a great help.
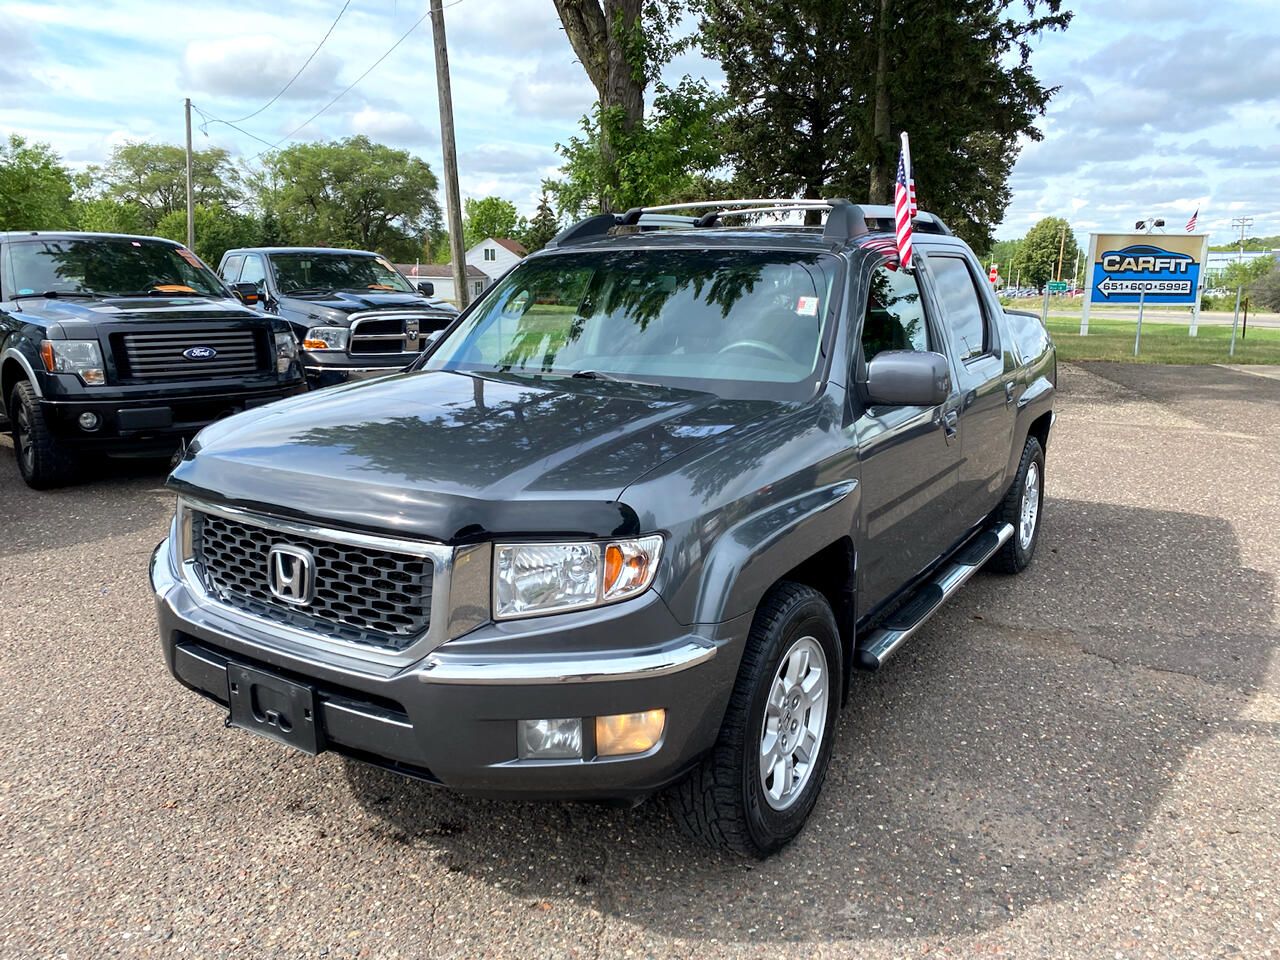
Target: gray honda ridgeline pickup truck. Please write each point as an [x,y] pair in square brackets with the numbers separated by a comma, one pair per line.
[629,525]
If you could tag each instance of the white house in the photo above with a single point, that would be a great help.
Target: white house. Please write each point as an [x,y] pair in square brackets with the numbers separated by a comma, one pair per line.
[440,275]
[494,256]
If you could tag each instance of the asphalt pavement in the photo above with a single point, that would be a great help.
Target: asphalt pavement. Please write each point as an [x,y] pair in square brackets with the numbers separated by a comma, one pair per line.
[1081,761]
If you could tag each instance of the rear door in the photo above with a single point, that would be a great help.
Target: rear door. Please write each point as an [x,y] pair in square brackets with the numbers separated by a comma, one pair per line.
[984,378]
[909,455]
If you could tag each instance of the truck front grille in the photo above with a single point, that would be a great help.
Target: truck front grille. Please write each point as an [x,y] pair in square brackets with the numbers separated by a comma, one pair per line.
[393,333]
[360,595]
[174,354]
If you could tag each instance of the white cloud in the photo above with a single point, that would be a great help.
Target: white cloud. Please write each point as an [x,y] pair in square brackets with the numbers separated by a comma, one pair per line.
[391,126]
[256,67]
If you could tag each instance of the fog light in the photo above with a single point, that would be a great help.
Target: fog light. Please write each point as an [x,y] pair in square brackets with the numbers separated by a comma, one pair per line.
[625,733]
[550,739]
[89,421]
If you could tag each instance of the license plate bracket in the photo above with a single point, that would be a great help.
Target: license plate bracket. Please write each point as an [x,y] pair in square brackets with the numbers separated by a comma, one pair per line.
[273,707]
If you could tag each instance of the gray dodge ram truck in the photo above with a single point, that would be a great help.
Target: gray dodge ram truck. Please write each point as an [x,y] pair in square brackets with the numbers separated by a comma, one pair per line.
[630,524]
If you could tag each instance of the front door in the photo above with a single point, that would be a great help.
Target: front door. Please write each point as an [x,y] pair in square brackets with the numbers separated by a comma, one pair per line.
[984,382]
[909,455]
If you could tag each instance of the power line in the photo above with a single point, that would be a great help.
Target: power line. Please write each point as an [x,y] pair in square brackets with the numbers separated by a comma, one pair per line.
[209,118]
[304,66]
[403,37]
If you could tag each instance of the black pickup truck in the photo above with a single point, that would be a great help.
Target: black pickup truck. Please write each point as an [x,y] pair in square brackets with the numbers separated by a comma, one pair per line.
[124,345]
[353,313]
[630,524]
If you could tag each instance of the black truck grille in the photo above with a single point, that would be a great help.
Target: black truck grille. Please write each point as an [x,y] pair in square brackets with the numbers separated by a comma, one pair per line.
[177,354]
[393,334]
[360,595]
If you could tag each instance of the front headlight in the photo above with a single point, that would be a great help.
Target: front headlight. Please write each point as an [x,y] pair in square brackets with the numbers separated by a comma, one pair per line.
[326,338]
[81,357]
[531,579]
[286,352]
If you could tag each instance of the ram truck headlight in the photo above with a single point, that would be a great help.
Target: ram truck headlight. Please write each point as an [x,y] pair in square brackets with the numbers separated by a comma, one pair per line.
[286,352]
[326,338]
[81,357]
[532,579]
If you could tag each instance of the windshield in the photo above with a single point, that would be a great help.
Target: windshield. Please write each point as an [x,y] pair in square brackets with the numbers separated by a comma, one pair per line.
[109,267]
[336,271]
[743,323]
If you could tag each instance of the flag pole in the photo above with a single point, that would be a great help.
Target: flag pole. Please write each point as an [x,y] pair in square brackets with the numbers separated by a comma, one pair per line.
[906,156]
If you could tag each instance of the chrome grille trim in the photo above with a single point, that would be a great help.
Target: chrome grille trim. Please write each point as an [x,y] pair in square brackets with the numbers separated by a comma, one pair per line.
[440,556]
[394,342]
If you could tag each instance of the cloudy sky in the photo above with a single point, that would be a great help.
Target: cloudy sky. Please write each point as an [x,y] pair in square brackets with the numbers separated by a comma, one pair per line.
[1165,105]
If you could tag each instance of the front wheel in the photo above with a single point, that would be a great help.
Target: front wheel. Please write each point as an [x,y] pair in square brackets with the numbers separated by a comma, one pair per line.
[753,793]
[42,460]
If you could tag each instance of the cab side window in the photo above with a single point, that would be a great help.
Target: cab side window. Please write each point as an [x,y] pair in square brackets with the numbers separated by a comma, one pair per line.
[255,271]
[895,314]
[231,269]
[961,306]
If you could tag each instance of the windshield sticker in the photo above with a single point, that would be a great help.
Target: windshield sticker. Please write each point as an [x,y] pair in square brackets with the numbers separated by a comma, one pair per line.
[190,257]
[807,306]
[26,292]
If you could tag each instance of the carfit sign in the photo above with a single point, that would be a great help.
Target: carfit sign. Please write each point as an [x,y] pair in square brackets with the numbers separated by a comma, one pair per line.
[1158,269]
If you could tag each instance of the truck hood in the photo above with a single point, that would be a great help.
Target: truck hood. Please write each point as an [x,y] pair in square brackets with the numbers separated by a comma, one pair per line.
[351,302]
[456,457]
[77,315]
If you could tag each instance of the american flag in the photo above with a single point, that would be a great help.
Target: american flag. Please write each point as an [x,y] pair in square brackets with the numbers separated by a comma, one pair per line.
[902,213]
[1191,224]
[911,189]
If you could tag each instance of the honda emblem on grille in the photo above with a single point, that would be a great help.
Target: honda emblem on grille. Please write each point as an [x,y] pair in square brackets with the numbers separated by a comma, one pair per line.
[200,353]
[291,574]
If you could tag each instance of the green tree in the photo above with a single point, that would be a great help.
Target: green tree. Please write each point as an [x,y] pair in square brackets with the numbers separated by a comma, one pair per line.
[1038,253]
[671,154]
[1264,291]
[489,217]
[351,192]
[542,227]
[35,188]
[1245,273]
[105,215]
[218,229]
[820,88]
[153,177]
[622,45]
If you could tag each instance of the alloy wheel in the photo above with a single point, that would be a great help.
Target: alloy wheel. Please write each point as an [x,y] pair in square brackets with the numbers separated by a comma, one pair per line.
[795,721]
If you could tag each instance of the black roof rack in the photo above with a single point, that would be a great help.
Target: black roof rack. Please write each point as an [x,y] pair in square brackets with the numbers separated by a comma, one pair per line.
[845,220]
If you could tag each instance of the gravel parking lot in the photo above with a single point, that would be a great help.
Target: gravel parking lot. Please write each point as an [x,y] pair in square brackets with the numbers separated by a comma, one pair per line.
[1083,761]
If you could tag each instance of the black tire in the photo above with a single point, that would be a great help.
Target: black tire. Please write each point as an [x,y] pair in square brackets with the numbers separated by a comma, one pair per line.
[1014,556]
[42,460]
[723,801]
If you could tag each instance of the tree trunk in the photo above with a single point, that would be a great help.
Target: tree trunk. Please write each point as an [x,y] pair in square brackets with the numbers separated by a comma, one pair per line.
[883,173]
[601,36]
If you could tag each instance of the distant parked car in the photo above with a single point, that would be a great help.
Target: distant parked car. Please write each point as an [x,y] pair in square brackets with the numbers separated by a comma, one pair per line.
[353,313]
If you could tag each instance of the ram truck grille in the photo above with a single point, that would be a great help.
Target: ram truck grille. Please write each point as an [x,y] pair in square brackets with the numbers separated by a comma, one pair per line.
[188,354]
[360,595]
[393,334]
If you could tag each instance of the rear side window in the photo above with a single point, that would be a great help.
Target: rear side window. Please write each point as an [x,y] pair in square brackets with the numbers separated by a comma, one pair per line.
[895,314]
[231,269]
[961,308]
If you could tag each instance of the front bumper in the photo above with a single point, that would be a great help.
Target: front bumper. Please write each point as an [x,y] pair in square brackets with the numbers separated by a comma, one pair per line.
[450,718]
[157,421]
[325,369]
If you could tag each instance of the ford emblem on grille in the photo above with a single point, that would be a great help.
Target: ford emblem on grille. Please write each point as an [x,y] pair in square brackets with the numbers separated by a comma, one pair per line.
[200,353]
[291,574]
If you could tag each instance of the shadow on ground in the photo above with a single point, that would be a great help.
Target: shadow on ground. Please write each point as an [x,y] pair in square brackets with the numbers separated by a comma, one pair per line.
[1016,750]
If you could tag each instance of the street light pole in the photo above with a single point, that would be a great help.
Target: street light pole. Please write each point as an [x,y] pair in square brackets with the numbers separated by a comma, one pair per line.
[453,201]
[1244,223]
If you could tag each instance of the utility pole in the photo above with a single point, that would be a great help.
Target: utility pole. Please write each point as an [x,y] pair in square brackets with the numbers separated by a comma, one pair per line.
[1244,223]
[453,202]
[191,207]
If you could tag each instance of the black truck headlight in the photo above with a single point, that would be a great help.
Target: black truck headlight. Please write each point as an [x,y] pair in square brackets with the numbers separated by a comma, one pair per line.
[81,357]
[326,338]
[537,578]
[286,352]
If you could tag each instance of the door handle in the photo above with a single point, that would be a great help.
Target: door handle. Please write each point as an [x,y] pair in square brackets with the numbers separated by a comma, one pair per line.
[950,423]
[1008,391]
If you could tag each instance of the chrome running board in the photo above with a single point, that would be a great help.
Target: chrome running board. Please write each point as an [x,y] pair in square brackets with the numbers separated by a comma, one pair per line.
[902,624]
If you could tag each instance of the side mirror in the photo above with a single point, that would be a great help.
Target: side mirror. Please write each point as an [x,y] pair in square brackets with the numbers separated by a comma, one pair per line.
[426,288]
[247,293]
[908,378]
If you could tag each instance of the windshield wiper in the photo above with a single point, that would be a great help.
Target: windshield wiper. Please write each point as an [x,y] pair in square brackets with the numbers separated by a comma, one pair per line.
[311,291]
[162,293]
[597,375]
[56,294]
